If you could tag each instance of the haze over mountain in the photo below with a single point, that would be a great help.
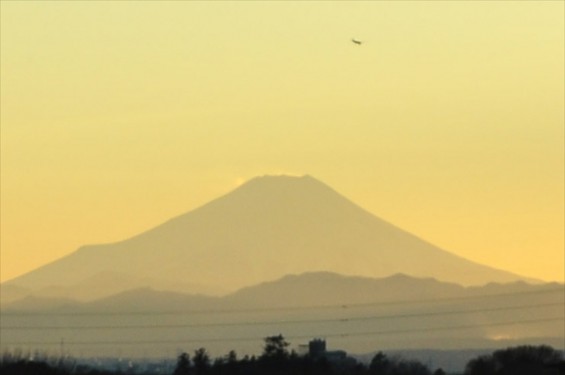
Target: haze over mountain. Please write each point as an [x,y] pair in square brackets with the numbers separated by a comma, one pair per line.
[355,313]
[269,227]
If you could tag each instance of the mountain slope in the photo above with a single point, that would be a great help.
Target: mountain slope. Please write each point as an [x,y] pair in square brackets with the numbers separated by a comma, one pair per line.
[266,228]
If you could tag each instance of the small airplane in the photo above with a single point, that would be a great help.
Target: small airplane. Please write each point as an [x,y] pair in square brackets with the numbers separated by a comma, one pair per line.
[356,41]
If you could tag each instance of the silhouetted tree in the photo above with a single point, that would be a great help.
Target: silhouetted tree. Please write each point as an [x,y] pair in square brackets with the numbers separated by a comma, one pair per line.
[201,362]
[231,363]
[483,365]
[521,360]
[30,368]
[380,364]
[410,368]
[275,348]
[183,365]
[231,357]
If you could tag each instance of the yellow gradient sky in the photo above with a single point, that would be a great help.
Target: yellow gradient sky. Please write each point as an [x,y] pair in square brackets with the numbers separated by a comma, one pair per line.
[448,120]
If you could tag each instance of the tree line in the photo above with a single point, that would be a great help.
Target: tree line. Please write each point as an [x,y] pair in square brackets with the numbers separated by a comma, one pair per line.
[277,359]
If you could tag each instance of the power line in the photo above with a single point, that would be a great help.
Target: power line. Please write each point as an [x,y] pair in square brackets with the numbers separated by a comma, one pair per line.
[299,337]
[343,306]
[436,329]
[286,322]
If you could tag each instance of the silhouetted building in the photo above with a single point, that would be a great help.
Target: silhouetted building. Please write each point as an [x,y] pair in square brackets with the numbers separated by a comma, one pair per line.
[317,349]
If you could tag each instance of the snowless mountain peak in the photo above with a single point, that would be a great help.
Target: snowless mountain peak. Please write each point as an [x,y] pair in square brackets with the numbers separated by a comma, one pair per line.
[268,227]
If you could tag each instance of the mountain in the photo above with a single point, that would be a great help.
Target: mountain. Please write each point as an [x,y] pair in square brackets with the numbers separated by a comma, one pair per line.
[267,228]
[326,288]
[311,289]
[356,314]
[10,293]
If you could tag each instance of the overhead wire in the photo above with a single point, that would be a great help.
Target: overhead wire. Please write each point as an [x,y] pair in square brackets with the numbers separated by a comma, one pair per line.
[340,307]
[330,335]
[282,322]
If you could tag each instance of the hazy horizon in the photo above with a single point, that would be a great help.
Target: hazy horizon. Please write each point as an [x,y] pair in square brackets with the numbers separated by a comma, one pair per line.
[447,121]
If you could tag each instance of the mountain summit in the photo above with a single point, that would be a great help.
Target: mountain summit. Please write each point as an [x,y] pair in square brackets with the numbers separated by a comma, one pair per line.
[269,227]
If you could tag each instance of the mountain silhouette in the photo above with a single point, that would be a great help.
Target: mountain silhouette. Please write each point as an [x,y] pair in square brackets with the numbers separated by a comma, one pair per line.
[358,314]
[269,227]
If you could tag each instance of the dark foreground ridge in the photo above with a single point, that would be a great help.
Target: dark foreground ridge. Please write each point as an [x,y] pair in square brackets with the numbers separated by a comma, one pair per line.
[276,359]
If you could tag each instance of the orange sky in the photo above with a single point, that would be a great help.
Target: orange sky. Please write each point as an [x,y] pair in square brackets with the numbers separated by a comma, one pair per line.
[448,120]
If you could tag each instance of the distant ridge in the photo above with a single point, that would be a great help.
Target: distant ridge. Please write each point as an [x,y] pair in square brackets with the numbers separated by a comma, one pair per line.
[269,227]
[301,291]
[356,314]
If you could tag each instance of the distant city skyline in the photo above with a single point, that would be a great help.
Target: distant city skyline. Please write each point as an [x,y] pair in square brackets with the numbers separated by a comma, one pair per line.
[448,121]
